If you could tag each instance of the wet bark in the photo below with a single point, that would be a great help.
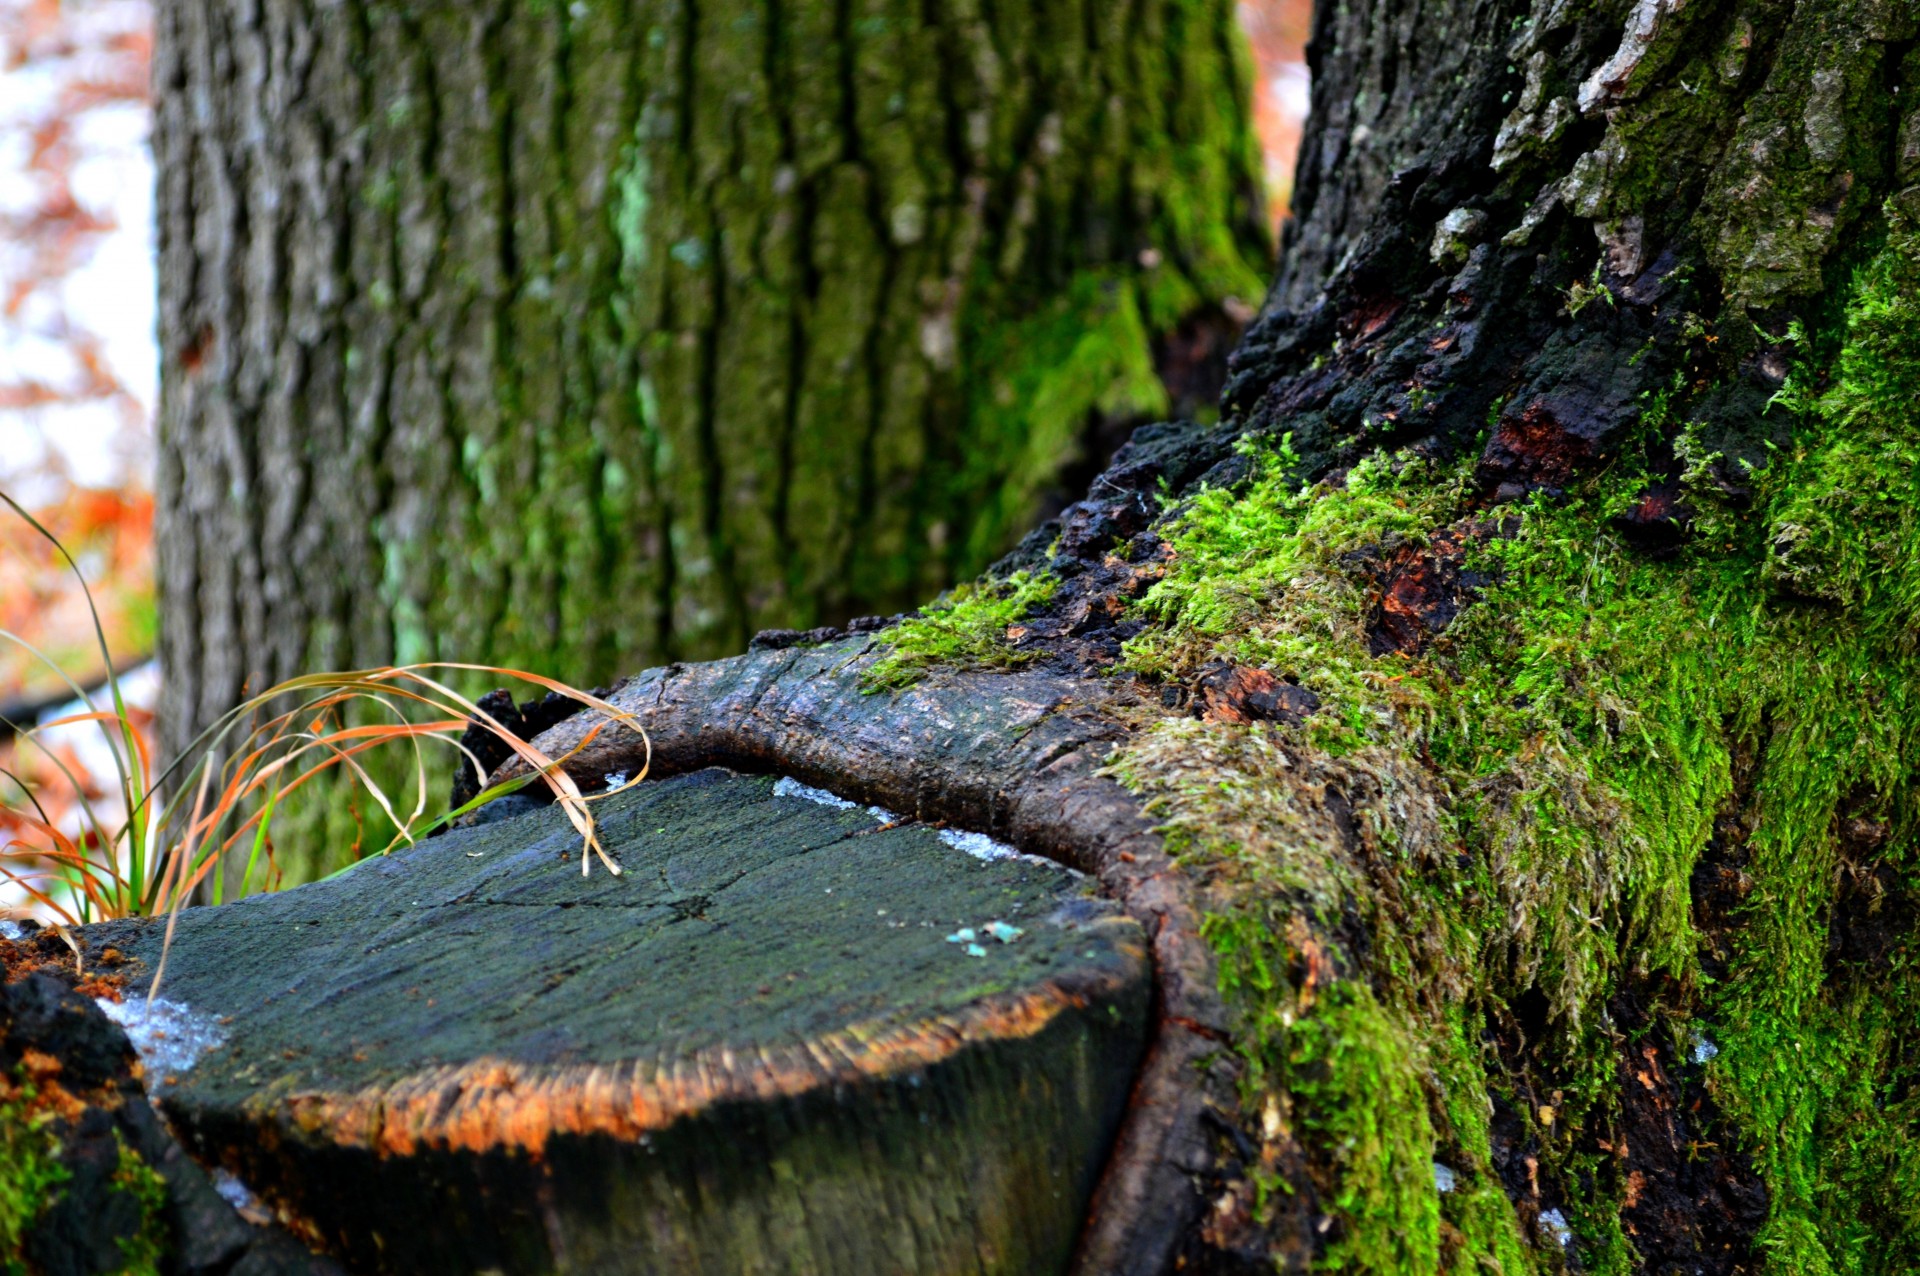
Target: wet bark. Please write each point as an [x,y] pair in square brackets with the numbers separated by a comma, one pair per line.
[572,337]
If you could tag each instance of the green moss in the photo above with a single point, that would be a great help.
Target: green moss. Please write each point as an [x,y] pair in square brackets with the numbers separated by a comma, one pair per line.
[1035,368]
[1260,578]
[1530,798]
[147,1247]
[31,1177]
[965,629]
[1355,1078]
[1843,522]
[1477,1210]
[29,1174]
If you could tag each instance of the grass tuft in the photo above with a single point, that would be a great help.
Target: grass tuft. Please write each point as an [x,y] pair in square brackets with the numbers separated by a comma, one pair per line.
[179,825]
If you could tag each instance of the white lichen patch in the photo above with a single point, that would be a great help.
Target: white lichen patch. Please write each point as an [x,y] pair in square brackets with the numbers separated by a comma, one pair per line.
[168,1036]
[787,786]
[978,845]
[1455,233]
[1610,78]
[1537,119]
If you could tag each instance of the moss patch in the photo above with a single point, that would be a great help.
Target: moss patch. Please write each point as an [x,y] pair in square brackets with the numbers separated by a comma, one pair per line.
[1087,351]
[147,1247]
[29,1173]
[1356,1085]
[1528,800]
[965,629]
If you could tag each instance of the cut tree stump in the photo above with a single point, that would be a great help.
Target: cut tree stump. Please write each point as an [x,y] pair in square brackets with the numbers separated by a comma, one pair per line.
[1018,754]
[769,1046]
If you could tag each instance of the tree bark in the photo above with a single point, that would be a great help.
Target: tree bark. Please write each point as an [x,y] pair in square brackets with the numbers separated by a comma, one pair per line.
[571,336]
[1520,682]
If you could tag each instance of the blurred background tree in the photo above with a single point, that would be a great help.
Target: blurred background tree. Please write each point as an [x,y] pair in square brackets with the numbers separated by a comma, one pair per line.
[578,337]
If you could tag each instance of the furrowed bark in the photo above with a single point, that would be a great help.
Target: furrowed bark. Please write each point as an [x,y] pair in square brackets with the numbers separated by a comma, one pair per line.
[571,337]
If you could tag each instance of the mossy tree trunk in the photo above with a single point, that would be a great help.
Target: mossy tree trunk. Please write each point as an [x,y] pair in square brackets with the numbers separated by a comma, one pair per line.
[1578,485]
[574,335]
[1524,676]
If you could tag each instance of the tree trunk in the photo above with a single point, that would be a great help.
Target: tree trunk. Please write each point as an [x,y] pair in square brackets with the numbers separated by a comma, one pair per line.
[570,336]
[1522,682]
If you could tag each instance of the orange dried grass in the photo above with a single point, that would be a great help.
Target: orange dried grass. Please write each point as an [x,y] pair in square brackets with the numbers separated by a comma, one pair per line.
[182,824]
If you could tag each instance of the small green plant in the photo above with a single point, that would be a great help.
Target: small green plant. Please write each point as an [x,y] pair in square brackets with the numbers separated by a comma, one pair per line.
[1585,292]
[146,1249]
[177,827]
